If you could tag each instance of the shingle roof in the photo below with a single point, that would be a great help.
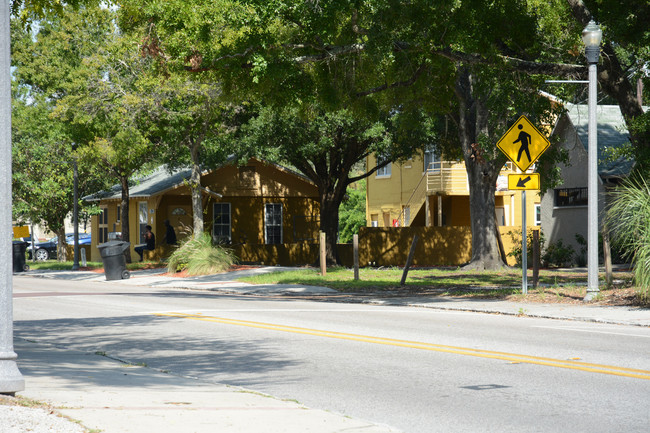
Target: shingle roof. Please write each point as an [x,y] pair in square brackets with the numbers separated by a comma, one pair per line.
[161,180]
[155,183]
[612,133]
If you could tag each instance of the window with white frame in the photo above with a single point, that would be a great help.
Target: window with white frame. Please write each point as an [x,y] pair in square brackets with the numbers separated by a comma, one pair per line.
[221,228]
[143,215]
[273,223]
[538,214]
[430,158]
[386,169]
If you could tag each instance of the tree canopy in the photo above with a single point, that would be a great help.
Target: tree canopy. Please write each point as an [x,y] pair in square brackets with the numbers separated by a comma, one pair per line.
[318,67]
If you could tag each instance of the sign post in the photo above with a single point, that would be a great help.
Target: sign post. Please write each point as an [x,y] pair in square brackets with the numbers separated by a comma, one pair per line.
[523,144]
[524,246]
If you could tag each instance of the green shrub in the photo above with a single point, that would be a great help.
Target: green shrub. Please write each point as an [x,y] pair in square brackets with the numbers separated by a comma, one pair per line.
[199,256]
[628,218]
[558,255]
[515,237]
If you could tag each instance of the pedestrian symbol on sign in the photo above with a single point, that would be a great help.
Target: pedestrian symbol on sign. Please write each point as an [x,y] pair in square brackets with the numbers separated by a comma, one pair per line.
[524,139]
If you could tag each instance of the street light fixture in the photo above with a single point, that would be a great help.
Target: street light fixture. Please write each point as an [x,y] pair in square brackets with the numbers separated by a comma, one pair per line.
[592,36]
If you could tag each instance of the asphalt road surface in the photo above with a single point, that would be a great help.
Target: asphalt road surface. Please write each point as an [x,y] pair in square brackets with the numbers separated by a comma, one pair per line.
[416,369]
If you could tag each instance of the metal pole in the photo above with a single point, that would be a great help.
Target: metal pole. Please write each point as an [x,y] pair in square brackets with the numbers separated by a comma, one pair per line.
[524,248]
[11,380]
[592,191]
[75,214]
[355,255]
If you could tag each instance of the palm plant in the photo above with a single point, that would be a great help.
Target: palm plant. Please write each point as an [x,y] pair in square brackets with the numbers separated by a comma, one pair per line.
[199,256]
[628,219]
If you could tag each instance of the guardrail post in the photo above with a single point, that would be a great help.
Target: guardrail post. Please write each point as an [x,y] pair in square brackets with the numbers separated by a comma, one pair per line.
[323,254]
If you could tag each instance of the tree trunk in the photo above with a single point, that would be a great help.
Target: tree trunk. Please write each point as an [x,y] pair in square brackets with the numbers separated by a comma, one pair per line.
[329,223]
[124,208]
[195,186]
[485,245]
[482,174]
[61,250]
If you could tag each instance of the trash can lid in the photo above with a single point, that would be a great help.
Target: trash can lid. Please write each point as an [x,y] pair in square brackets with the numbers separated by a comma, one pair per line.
[113,248]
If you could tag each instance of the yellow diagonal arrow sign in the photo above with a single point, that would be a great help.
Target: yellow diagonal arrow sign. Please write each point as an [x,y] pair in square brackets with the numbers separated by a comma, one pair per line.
[523,181]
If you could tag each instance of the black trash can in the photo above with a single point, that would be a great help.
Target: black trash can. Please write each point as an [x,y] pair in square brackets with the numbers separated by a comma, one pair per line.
[112,253]
[19,248]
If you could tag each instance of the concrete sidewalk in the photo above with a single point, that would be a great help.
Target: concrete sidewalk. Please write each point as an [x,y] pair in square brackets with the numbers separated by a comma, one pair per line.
[226,283]
[106,395]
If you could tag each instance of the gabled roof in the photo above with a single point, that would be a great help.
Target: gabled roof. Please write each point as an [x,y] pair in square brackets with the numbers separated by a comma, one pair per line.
[612,133]
[157,182]
[162,180]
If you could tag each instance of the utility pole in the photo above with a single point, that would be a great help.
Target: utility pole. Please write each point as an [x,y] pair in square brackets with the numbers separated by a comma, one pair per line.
[75,214]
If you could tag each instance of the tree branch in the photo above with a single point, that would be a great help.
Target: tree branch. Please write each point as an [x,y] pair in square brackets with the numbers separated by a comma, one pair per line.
[558,69]
[396,84]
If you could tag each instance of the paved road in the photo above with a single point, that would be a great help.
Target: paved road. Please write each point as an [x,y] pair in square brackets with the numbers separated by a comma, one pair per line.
[416,369]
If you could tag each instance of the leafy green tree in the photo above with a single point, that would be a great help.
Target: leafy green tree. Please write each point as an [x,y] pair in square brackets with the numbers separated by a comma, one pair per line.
[42,181]
[109,112]
[91,75]
[190,122]
[326,145]
[481,64]
[352,214]
[46,63]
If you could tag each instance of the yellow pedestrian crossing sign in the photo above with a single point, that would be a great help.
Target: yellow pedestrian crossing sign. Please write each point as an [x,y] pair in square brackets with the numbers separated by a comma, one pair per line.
[526,181]
[523,143]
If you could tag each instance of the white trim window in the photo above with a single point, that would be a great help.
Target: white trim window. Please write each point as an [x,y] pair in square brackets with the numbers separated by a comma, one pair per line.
[538,214]
[221,228]
[273,223]
[430,159]
[384,171]
[143,215]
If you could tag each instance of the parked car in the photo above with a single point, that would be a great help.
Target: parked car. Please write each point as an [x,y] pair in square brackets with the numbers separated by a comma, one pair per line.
[47,250]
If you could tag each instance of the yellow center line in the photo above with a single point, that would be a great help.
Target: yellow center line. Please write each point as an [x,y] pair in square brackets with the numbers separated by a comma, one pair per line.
[513,357]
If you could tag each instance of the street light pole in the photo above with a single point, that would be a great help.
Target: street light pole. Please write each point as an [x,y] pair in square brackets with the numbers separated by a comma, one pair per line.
[75,214]
[592,36]
[11,380]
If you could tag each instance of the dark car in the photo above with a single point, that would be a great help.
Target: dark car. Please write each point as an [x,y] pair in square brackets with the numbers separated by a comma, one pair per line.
[47,250]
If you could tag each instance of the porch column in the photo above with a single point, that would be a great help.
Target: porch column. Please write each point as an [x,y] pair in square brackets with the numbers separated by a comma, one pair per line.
[439,211]
[427,212]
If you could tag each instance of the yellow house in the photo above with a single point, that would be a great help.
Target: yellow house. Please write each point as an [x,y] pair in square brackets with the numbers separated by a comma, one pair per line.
[426,192]
[258,205]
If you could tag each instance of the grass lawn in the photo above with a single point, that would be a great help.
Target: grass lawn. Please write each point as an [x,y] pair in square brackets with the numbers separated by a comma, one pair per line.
[555,286]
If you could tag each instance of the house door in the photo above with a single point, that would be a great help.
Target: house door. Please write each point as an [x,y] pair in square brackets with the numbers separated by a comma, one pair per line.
[180,218]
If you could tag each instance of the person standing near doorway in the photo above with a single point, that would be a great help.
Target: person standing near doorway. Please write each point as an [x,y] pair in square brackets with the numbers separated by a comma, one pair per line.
[170,234]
